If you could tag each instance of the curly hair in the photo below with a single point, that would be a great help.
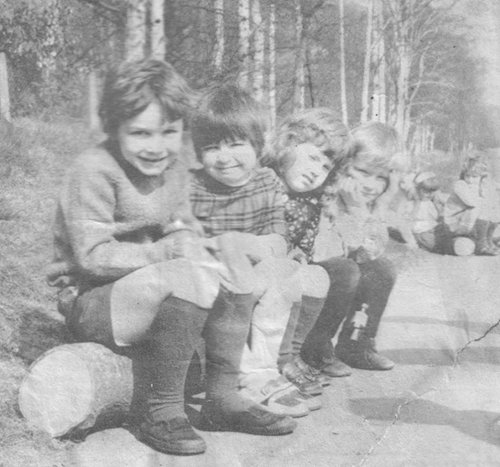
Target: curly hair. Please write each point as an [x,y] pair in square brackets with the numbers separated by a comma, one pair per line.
[320,126]
[226,112]
[474,165]
[133,85]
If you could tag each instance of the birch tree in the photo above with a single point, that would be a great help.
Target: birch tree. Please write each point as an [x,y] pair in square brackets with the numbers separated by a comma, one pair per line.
[379,99]
[244,42]
[367,64]
[219,34]
[300,43]
[343,91]
[258,47]
[158,40]
[135,43]
[272,63]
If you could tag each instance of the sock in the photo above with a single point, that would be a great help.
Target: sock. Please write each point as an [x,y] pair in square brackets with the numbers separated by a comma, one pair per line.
[309,312]
[285,353]
[173,337]
[226,332]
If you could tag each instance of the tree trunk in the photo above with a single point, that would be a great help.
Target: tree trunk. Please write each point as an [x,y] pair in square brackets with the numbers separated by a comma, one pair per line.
[219,34]
[93,102]
[343,91]
[4,89]
[158,39]
[272,64]
[72,386]
[299,81]
[258,42]
[244,42]
[135,42]
[379,99]
[75,387]
[367,64]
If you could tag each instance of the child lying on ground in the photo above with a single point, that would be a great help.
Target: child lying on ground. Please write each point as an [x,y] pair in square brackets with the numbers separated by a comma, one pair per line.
[473,209]
[349,245]
[232,196]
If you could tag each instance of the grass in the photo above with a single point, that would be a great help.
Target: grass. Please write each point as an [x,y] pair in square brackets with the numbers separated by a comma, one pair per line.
[33,157]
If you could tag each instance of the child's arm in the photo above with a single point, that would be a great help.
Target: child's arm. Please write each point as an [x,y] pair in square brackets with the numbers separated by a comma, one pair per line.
[88,208]
[467,193]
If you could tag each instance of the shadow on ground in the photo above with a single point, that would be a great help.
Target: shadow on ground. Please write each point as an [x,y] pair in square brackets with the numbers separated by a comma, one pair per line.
[474,423]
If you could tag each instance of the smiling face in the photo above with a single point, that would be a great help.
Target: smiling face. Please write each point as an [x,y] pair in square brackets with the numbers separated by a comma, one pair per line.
[230,162]
[309,169]
[371,181]
[149,141]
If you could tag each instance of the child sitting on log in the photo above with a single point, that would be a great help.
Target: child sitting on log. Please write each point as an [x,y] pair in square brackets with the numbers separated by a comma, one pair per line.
[129,258]
[344,232]
[473,208]
[233,196]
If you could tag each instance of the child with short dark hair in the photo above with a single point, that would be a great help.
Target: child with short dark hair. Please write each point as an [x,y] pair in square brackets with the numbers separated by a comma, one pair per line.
[473,209]
[340,231]
[232,195]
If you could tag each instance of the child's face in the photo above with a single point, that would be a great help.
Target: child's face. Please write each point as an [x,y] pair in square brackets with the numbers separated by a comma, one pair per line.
[230,162]
[371,181]
[309,169]
[149,142]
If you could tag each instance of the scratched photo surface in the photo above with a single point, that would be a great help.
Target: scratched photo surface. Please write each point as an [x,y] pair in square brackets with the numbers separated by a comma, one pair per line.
[428,69]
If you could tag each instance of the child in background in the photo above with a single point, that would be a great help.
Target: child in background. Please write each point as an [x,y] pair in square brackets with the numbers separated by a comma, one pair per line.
[430,231]
[129,261]
[232,196]
[473,207]
[350,245]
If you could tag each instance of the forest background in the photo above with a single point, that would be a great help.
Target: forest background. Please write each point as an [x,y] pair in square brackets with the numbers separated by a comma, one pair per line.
[418,65]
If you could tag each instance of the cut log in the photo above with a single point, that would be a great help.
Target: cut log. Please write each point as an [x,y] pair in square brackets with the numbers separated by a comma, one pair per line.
[75,387]
[69,387]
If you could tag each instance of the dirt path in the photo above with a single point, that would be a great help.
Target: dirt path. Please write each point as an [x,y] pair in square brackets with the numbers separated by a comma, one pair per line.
[436,407]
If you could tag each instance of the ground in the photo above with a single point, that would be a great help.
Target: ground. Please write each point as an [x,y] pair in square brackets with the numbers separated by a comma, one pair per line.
[437,407]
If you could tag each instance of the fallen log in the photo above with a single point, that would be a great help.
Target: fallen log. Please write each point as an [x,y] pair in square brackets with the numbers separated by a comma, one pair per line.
[73,388]
[69,387]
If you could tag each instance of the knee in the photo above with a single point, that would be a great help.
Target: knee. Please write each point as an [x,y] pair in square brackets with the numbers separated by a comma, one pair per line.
[315,281]
[343,272]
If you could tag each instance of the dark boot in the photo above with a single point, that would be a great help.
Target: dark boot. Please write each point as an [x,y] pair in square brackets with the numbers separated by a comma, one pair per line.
[483,247]
[362,354]
[489,237]
[173,337]
[317,350]
[225,333]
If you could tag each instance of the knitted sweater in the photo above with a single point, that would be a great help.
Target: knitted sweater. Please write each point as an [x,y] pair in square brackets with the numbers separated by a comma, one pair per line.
[112,220]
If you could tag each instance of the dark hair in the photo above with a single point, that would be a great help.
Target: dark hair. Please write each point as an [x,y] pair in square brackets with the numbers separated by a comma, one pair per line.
[320,126]
[133,85]
[226,112]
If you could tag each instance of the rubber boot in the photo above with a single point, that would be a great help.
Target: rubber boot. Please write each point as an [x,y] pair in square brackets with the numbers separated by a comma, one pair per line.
[483,247]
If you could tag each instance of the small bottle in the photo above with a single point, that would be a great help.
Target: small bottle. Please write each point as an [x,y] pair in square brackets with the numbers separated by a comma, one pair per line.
[358,322]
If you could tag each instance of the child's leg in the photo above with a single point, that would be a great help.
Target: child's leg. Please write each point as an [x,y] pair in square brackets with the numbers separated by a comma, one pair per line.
[491,231]
[375,286]
[317,350]
[314,284]
[225,334]
[480,234]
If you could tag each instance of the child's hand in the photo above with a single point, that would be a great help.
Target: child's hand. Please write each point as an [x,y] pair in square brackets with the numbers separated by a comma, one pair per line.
[298,255]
